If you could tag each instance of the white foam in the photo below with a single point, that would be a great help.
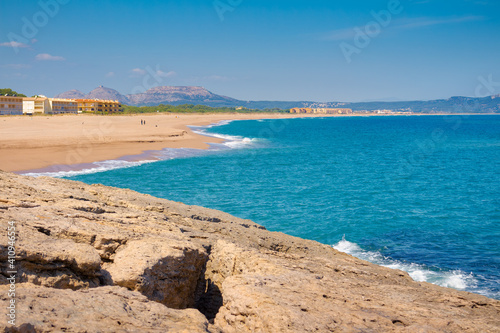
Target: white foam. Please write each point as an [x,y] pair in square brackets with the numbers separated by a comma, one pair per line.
[446,278]
[95,168]
[220,123]
[231,141]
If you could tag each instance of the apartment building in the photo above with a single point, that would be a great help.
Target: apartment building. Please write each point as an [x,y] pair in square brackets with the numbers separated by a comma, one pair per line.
[87,105]
[34,105]
[10,105]
[99,106]
[59,105]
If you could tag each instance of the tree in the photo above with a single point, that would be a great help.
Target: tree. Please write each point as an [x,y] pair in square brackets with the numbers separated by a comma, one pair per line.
[10,92]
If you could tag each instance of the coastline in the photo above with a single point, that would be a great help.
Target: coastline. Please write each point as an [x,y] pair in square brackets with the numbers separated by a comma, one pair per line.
[73,142]
[125,258]
[37,143]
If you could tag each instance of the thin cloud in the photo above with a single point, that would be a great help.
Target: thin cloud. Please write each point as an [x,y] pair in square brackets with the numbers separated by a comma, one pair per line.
[428,22]
[14,44]
[48,57]
[20,75]
[138,72]
[161,73]
[17,66]
[110,74]
[400,24]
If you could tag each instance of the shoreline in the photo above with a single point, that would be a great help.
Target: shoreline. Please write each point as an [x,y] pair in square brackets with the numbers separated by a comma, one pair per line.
[113,244]
[43,144]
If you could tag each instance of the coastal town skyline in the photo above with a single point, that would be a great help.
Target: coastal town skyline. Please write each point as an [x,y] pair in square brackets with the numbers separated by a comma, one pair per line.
[368,51]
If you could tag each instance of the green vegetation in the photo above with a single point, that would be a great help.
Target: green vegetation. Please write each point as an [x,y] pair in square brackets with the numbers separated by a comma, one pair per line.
[10,92]
[190,108]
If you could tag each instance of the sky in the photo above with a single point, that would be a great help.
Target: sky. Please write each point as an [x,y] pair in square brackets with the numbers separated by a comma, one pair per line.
[289,50]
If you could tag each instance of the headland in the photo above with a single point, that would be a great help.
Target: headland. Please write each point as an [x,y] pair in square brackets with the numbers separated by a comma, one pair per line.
[91,258]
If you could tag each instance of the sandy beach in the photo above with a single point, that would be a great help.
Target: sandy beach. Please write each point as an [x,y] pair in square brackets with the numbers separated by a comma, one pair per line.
[28,143]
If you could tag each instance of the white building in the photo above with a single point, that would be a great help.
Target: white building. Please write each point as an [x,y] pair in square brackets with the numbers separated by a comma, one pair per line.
[39,104]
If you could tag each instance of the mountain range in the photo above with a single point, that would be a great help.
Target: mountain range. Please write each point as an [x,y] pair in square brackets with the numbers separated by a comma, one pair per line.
[178,95]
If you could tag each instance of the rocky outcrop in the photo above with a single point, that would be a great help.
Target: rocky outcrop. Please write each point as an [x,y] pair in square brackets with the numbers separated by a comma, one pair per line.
[53,262]
[104,309]
[165,270]
[92,258]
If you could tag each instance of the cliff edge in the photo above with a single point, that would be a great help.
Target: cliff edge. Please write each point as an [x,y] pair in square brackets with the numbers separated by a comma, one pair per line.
[91,258]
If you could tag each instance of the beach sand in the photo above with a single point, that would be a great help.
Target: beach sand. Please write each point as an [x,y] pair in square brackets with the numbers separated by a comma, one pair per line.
[28,143]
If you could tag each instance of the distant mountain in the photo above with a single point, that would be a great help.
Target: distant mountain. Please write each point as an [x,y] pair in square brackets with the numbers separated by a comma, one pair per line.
[158,95]
[181,95]
[458,104]
[72,94]
[98,93]
[200,95]
[107,93]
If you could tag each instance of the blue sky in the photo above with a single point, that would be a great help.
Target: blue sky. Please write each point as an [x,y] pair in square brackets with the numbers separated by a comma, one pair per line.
[253,49]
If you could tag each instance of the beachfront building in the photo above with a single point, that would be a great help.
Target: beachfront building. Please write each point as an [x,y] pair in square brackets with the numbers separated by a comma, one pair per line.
[109,106]
[60,105]
[321,110]
[99,105]
[332,110]
[11,105]
[87,105]
[37,104]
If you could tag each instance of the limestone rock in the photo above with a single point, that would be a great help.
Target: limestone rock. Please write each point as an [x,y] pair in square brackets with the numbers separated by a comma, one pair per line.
[79,243]
[53,262]
[103,309]
[165,270]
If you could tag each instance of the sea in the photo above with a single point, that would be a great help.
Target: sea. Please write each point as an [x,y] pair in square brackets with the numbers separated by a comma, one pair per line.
[415,193]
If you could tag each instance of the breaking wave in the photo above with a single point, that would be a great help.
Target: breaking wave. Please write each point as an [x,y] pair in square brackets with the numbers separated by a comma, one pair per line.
[456,279]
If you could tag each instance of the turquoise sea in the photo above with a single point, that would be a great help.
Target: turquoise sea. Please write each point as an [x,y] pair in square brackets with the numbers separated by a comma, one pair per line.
[417,193]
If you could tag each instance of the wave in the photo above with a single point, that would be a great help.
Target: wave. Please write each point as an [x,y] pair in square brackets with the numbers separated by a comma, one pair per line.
[230,141]
[456,279]
[95,167]
[236,142]
[220,123]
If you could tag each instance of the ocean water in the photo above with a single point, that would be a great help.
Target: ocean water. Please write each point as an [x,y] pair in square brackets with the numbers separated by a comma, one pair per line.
[417,193]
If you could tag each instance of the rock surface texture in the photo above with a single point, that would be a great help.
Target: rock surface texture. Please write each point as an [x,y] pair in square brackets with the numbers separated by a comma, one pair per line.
[92,258]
